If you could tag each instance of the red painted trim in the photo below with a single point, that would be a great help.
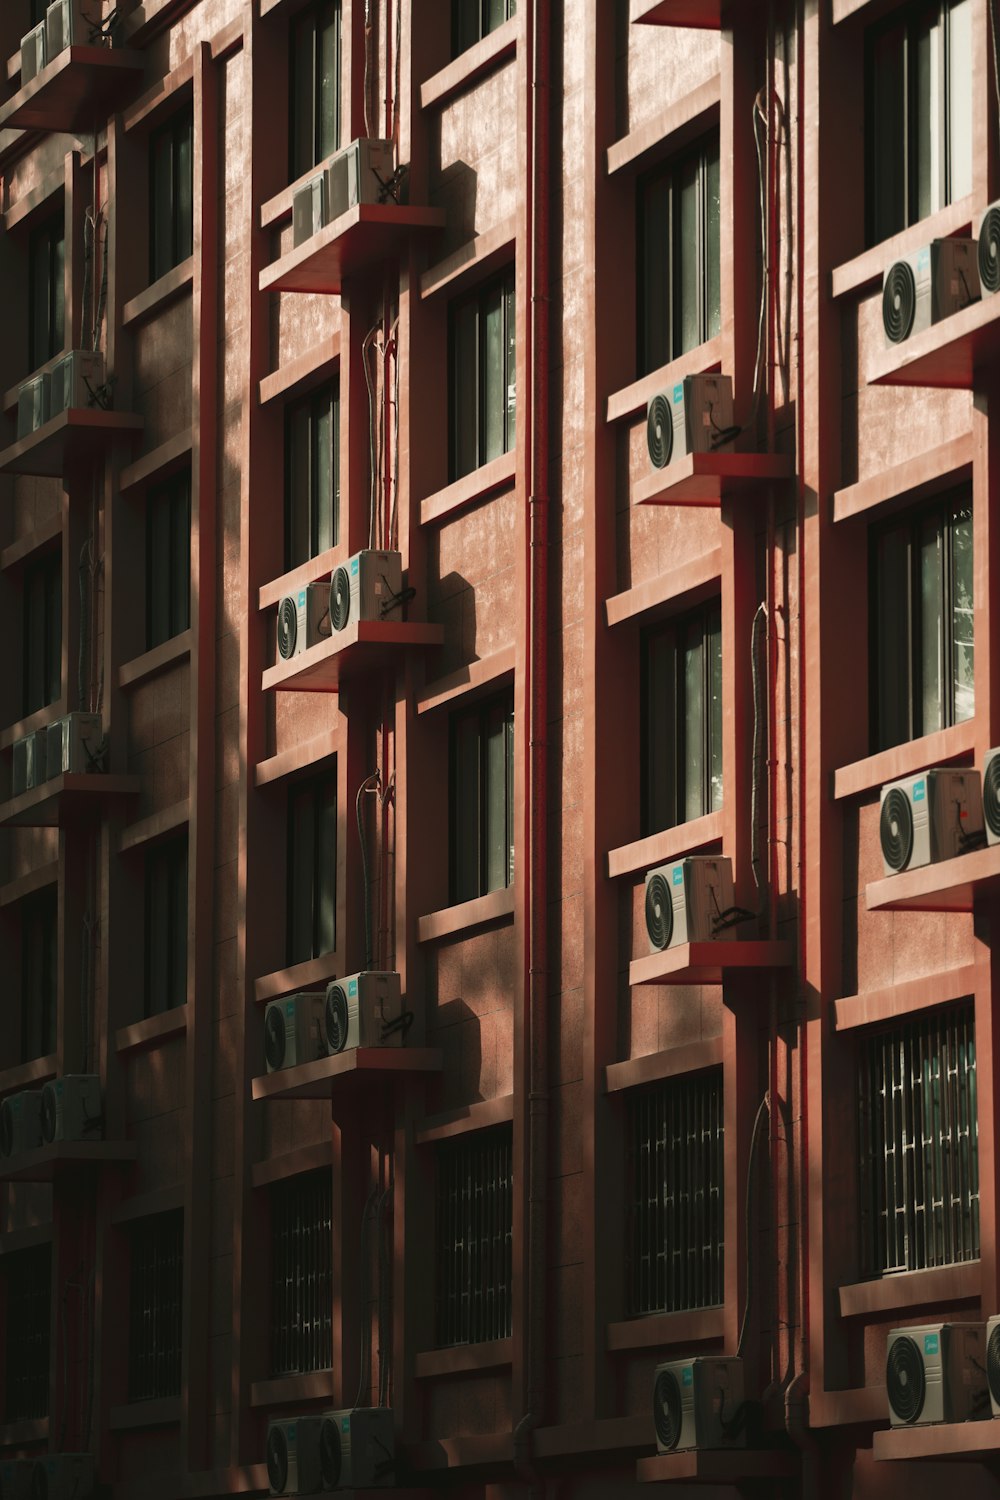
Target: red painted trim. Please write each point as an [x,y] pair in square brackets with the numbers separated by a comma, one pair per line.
[499,474]
[158,296]
[670,843]
[304,976]
[151,1031]
[948,355]
[29,203]
[292,1163]
[951,885]
[911,1289]
[322,1079]
[317,1385]
[157,826]
[473,260]
[966,1440]
[161,98]
[480,1115]
[464,1359]
[707,963]
[302,757]
[866,270]
[476,677]
[938,468]
[706,479]
[26,885]
[667,1330]
[902,999]
[317,364]
[152,663]
[481,58]
[678,588]
[692,1057]
[871,774]
[161,461]
[315,570]
[670,130]
[356,650]
[497,906]
[633,398]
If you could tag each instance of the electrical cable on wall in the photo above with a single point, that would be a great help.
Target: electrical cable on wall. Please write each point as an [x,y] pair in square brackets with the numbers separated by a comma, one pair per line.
[371,784]
[763,1108]
[760,617]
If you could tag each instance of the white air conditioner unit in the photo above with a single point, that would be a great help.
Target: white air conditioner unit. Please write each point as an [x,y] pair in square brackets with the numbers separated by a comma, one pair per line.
[364,1010]
[357,1449]
[75,744]
[75,380]
[369,586]
[15,1478]
[687,901]
[33,405]
[358,174]
[63,1476]
[21,1123]
[695,417]
[309,209]
[988,250]
[936,1373]
[33,55]
[30,761]
[698,1403]
[993,1362]
[294,1031]
[303,619]
[293,1461]
[936,815]
[71,1109]
[920,289]
[991,796]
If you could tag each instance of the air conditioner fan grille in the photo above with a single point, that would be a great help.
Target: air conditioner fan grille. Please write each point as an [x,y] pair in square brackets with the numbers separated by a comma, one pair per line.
[989,250]
[274,1038]
[905,1379]
[659,912]
[659,431]
[336,1018]
[288,628]
[277,1460]
[899,301]
[340,599]
[667,1414]
[991,796]
[330,1457]
[896,829]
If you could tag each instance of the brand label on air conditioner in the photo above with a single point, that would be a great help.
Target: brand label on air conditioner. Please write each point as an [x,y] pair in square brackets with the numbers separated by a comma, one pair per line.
[289,1007]
[678,394]
[302,598]
[919,790]
[352,988]
[345,1424]
[687,1376]
[678,875]
[354,566]
[930,1343]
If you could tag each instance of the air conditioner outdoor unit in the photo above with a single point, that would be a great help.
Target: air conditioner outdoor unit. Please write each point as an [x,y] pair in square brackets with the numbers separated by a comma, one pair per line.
[15,1478]
[30,761]
[988,250]
[695,417]
[309,209]
[21,1123]
[63,1476]
[33,405]
[364,1010]
[357,1449]
[75,380]
[698,1403]
[936,1373]
[75,744]
[293,1459]
[687,900]
[71,1109]
[303,619]
[294,1031]
[33,56]
[930,817]
[358,174]
[920,289]
[369,586]
[991,796]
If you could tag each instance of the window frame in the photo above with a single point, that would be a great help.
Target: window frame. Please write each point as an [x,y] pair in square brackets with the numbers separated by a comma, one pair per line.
[165,948]
[320,795]
[498,1138]
[39,913]
[482,712]
[175,244]
[706,619]
[47,241]
[504,415]
[168,568]
[42,591]
[464,35]
[298,165]
[313,1189]
[312,405]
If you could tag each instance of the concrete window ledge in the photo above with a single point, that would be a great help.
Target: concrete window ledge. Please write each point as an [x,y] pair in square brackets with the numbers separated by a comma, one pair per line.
[497,906]
[462,1359]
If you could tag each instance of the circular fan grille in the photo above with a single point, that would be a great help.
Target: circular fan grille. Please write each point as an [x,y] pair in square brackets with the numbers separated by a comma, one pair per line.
[39,1482]
[989,250]
[667,1409]
[6,1129]
[659,432]
[904,1378]
[340,599]
[274,1038]
[991,796]
[277,1460]
[48,1114]
[899,301]
[659,912]
[288,628]
[896,829]
[329,1454]
[993,1363]
[336,1018]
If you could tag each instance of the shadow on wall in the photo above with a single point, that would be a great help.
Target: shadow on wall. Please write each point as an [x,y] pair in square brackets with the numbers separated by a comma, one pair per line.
[451,602]
[456,190]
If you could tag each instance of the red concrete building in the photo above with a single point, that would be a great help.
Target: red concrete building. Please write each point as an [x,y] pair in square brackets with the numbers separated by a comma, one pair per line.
[364,657]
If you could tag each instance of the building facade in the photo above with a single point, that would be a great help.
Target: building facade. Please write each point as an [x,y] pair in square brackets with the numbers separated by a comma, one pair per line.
[533,1146]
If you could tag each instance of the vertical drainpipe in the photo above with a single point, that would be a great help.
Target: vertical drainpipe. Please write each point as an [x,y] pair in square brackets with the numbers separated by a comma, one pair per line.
[536,419]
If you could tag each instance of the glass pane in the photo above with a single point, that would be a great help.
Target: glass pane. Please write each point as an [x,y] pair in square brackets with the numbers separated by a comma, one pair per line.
[888,144]
[464,390]
[891,640]
[38,331]
[53,630]
[687,251]
[322,498]
[325,895]
[297,520]
[931,626]
[178,924]
[494,14]
[300,93]
[497,838]
[654,275]
[510,435]
[694,724]
[713,292]
[466,17]
[924,119]
[180,561]
[494,384]
[510,794]
[184,170]
[301,863]
[962,642]
[57,331]
[713,645]
[660,773]
[157,924]
[465,809]
[161,204]
[959,125]
[158,567]
[328,121]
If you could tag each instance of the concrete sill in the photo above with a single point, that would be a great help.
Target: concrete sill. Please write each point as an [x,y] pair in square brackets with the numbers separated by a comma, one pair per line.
[471,65]
[688,584]
[706,479]
[952,885]
[865,270]
[318,363]
[308,753]
[675,1062]
[152,1030]
[288,1390]
[940,748]
[462,1359]
[314,570]
[483,1114]
[152,663]
[871,1007]
[950,355]
[28,1075]
[478,676]
[158,296]
[159,462]
[708,963]
[664,1330]
[37,720]
[717,1466]
[27,884]
[499,474]
[327,1076]
[24,1434]
[670,843]
[159,825]
[305,976]
[669,130]
[907,1290]
[968,1440]
[32,542]
[472,261]
[915,478]
[497,906]
[632,399]
[139,1415]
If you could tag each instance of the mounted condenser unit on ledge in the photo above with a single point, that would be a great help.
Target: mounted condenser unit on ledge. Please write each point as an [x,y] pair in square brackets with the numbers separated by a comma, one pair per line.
[696,416]
[936,1373]
[339,1450]
[934,816]
[689,901]
[33,53]
[921,289]
[369,586]
[71,1109]
[362,172]
[303,619]
[63,1476]
[698,1403]
[70,23]
[365,1010]
[294,1031]
[73,744]
[988,250]
[21,1122]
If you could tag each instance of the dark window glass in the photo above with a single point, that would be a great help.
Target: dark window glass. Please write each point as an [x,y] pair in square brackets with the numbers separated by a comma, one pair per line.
[301,1287]
[314,86]
[166,926]
[919,1144]
[471,20]
[312,869]
[675,1228]
[482,799]
[171,194]
[46,292]
[38,9]
[42,669]
[155,1288]
[682,720]
[39,973]
[678,252]
[919,114]
[312,475]
[168,559]
[474,1234]
[27,1280]
[922,645]
[482,375]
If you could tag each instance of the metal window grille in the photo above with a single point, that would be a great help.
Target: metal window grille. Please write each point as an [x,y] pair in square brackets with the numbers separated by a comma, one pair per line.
[918,1136]
[675,1176]
[301,1283]
[475,1207]
[155,1307]
[27,1277]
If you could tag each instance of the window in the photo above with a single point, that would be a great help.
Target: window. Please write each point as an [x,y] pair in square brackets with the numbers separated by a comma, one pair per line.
[155,1288]
[314,86]
[42,637]
[312,869]
[168,559]
[677,235]
[171,194]
[471,20]
[27,1280]
[474,1234]
[482,375]
[675,1228]
[682,720]
[46,292]
[922,647]
[39,973]
[166,926]
[919,114]
[482,799]
[301,1289]
[918,1136]
[312,475]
